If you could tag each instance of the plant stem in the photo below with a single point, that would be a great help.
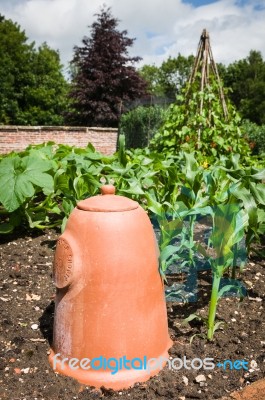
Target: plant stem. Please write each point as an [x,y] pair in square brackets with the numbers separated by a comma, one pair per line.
[234,249]
[191,236]
[48,226]
[213,305]
[41,205]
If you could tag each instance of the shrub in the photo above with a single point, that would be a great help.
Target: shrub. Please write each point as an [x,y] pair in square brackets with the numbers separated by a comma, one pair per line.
[140,124]
[255,135]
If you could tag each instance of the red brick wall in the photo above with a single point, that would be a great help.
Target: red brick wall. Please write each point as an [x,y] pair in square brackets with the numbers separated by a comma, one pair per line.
[17,138]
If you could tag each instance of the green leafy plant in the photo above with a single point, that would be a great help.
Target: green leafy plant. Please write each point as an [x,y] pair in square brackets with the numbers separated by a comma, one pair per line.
[20,176]
[229,222]
[205,131]
[236,215]
[22,179]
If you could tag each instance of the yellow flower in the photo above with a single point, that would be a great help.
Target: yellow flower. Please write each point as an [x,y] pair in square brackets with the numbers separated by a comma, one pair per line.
[205,164]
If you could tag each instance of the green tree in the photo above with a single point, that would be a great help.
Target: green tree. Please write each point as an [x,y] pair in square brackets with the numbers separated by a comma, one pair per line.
[175,73]
[168,79]
[246,78]
[152,75]
[32,86]
[105,78]
[45,100]
[15,70]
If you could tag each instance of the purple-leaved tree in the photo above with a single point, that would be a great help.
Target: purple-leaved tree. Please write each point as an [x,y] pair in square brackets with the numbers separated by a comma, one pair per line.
[104,78]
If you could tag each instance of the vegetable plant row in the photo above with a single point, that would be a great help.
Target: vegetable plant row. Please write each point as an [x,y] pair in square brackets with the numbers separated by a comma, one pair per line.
[41,185]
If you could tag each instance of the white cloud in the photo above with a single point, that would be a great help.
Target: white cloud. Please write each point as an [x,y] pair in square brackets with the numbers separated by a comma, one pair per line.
[162,28]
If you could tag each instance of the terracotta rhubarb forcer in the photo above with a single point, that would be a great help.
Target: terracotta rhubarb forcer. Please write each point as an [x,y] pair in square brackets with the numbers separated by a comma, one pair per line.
[110,298]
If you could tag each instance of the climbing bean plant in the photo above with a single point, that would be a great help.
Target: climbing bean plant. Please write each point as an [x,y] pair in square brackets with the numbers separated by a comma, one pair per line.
[205,132]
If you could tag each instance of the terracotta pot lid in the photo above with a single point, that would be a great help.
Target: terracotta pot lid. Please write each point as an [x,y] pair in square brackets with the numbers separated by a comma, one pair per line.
[107,201]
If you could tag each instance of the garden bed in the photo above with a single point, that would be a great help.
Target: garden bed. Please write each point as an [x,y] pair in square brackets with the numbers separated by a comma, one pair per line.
[26,298]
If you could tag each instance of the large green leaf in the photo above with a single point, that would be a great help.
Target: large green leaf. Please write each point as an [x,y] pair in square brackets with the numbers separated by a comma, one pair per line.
[258,190]
[228,229]
[191,168]
[259,175]
[18,178]
[249,204]
[167,252]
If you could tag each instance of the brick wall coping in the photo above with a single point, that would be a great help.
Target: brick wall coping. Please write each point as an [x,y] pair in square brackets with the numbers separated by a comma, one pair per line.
[14,128]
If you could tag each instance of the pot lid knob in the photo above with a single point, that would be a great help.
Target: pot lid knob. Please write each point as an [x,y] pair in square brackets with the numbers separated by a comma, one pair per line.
[107,189]
[107,201]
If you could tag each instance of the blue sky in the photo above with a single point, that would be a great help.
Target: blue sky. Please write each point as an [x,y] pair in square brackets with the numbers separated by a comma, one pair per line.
[162,28]
[199,3]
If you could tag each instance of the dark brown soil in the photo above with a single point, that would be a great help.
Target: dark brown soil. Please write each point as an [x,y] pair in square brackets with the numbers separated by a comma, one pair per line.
[26,298]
